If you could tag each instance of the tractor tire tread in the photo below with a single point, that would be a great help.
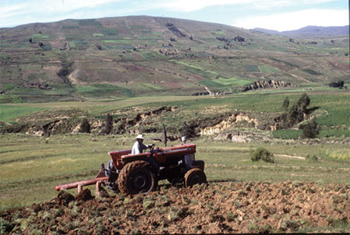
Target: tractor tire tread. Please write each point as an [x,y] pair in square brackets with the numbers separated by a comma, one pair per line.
[127,171]
[197,172]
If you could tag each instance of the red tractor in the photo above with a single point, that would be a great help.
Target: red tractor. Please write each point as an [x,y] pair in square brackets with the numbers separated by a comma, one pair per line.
[140,173]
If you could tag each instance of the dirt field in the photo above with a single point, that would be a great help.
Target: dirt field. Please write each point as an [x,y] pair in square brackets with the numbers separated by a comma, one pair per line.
[225,207]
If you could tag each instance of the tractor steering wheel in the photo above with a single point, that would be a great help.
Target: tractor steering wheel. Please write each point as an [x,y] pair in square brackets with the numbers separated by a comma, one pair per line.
[154,150]
[151,149]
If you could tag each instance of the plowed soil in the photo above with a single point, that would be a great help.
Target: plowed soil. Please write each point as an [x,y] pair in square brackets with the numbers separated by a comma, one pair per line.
[226,207]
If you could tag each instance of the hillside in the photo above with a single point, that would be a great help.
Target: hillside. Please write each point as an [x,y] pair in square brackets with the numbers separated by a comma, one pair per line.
[310,32]
[141,56]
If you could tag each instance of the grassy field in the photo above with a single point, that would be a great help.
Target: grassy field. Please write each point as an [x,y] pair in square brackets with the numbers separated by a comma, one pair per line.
[332,113]
[31,167]
[9,112]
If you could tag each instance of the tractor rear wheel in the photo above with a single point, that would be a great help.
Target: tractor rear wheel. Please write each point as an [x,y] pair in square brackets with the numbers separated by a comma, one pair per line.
[195,176]
[136,177]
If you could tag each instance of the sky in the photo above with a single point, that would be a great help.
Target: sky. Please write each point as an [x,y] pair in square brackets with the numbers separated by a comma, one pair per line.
[280,15]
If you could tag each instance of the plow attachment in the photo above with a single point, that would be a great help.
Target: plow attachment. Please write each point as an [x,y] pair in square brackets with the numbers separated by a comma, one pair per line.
[98,180]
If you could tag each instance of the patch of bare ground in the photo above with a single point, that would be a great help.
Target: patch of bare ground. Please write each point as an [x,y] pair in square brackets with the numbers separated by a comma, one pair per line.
[226,207]
[290,156]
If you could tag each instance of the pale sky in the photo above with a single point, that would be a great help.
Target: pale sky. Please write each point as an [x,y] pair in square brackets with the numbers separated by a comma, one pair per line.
[281,15]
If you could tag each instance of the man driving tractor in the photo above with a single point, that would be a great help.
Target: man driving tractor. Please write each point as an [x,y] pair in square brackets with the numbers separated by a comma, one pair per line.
[130,171]
[139,146]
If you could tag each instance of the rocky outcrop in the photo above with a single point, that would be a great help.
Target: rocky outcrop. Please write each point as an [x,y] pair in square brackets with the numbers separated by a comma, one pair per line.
[266,84]
[63,125]
[228,122]
[122,125]
[236,137]
[83,127]
[216,126]
[175,30]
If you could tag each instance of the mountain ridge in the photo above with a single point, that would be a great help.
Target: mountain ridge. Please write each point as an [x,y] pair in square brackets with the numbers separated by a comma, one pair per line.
[142,55]
[309,30]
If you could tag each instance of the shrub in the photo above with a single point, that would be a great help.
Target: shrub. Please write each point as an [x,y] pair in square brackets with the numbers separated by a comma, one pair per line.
[285,104]
[85,126]
[108,125]
[261,154]
[46,47]
[310,130]
[339,84]
[312,158]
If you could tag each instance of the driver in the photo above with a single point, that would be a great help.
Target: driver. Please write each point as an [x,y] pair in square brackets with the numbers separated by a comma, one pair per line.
[139,146]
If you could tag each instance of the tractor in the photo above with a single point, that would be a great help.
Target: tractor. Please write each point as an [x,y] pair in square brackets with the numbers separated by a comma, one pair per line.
[139,173]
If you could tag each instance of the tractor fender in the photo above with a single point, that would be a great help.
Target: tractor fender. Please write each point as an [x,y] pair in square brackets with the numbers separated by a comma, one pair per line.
[140,157]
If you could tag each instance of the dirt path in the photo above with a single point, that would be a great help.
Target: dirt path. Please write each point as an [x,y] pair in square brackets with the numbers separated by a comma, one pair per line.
[290,156]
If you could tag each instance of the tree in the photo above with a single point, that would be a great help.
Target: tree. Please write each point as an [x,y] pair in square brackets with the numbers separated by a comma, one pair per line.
[339,84]
[303,102]
[108,125]
[295,115]
[85,126]
[66,69]
[298,111]
[285,104]
[310,130]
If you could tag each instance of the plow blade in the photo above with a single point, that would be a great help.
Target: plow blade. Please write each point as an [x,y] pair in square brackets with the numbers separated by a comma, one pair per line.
[80,184]
[100,179]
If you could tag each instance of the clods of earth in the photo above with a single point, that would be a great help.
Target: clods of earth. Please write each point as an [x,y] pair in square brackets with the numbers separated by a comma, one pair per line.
[225,207]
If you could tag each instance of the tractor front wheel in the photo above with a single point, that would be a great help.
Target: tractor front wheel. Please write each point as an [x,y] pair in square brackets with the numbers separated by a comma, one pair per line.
[136,177]
[195,176]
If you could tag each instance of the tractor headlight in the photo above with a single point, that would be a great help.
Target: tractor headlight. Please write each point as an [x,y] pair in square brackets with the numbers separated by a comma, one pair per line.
[193,157]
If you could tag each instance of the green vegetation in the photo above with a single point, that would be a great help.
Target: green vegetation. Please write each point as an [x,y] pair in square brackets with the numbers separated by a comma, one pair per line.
[310,129]
[120,41]
[88,22]
[107,89]
[98,35]
[8,112]
[111,32]
[287,134]
[331,115]
[325,133]
[268,69]
[253,69]
[111,51]
[235,82]
[63,155]
[261,154]
[218,33]
[68,158]
[39,37]
[123,69]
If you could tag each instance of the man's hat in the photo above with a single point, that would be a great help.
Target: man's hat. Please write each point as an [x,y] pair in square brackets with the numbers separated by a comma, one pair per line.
[139,137]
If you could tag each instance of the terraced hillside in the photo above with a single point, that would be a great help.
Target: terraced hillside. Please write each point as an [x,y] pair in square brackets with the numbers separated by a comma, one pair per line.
[139,55]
